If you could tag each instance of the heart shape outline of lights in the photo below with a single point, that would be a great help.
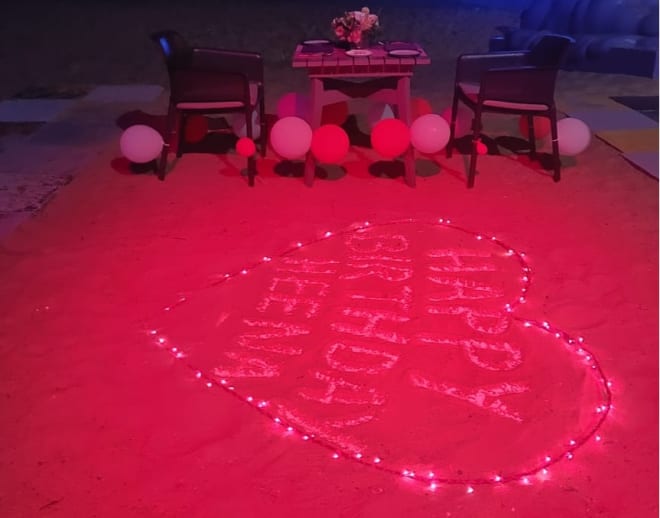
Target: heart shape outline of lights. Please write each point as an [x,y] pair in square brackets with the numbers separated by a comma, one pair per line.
[575,346]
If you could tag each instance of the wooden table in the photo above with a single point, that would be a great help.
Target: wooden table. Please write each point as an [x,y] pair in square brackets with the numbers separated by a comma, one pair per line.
[380,76]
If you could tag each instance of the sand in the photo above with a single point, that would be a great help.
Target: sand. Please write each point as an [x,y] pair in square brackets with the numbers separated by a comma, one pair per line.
[98,421]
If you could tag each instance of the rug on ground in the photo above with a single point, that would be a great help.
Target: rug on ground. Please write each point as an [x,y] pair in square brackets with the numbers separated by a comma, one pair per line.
[629,124]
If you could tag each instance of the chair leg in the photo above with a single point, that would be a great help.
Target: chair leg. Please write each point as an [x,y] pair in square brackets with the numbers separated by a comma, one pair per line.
[251,170]
[251,162]
[476,132]
[162,162]
[262,122]
[181,128]
[169,128]
[555,146]
[452,125]
[532,137]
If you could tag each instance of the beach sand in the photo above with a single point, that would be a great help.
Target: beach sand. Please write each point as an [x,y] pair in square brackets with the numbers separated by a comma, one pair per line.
[96,420]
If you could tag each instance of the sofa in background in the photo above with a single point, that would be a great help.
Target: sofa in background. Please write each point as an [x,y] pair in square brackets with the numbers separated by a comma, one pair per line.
[611,36]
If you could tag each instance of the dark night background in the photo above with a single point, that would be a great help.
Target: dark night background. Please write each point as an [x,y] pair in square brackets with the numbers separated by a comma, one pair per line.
[72,43]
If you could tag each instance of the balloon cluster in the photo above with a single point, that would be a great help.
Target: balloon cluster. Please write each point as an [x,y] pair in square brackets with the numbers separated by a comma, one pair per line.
[292,136]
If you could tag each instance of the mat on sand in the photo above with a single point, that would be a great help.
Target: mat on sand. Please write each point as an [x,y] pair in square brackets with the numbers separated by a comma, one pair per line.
[630,141]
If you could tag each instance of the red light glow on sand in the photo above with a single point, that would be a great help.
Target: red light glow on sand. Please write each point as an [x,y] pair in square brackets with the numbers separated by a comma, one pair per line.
[443,353]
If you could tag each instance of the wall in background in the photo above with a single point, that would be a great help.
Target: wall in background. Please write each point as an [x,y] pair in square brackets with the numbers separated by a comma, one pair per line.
[641,6]
[511,5]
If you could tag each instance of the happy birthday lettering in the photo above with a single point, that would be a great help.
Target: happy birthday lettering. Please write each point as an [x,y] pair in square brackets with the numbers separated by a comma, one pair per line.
[366,333]
[486,398]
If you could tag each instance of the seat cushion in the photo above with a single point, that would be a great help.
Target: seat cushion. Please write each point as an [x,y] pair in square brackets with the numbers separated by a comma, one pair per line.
[471,91]
[222,105]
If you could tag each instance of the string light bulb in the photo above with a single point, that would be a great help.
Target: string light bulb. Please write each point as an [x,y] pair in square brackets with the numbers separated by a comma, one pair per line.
[574,345]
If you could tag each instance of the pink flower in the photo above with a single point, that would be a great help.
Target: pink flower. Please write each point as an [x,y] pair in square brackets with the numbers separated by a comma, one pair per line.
[355,36]
[352,24]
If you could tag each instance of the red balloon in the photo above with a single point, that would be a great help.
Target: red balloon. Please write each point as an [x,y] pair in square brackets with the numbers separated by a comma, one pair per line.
[245,147]
[482,149]
[419,107]
[541,126]
[390,137]
[196,128]
[335,113]
[330,144]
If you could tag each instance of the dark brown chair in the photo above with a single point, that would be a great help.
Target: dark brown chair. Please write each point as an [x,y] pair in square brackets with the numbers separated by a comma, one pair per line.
[210,81]
[520,82]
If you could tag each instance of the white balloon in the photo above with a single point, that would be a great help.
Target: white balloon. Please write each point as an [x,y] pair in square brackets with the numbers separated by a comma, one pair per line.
[291,137]
[429,133]
[140,144]
[239,127]
[573,136]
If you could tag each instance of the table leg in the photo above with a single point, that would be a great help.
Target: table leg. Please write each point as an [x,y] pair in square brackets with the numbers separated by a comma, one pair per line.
[316,101]
[403,103]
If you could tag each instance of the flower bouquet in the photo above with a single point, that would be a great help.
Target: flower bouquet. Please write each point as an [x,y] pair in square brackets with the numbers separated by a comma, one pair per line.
[356,27]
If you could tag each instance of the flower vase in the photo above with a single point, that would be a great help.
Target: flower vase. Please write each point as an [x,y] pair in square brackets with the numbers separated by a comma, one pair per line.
[367,40]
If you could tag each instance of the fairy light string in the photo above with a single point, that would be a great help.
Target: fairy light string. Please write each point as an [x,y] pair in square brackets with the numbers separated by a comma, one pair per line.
[432,479]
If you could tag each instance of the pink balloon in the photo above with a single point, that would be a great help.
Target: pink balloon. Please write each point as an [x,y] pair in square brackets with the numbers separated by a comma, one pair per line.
[291,137]
[294,104]
[463,120]
[429,133]
[140,144]
[573,136]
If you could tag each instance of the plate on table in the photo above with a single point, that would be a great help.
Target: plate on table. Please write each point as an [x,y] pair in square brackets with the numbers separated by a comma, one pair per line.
[316,42]
[317,48]
[356,53]
[404,53]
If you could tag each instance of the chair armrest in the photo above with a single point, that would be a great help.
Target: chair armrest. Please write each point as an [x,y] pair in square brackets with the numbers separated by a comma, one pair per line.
[247,64]
[470,67]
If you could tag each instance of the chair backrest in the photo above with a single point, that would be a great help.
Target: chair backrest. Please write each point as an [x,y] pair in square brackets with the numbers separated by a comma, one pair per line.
[533,83]
[175,49]
[550,51]
[470,67]
[522,85]
[205,75]
[248,64]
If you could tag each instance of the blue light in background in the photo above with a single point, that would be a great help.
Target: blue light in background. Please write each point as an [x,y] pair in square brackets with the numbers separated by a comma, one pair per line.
[165,45]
